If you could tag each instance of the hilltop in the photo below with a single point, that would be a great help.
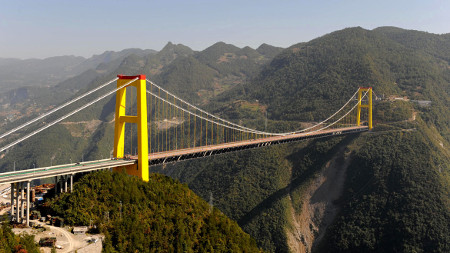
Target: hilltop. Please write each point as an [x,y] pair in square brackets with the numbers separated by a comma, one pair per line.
[159,215]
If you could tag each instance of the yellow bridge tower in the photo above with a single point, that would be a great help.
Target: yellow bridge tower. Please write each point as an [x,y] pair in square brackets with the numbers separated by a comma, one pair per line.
[141,169]
[368,106]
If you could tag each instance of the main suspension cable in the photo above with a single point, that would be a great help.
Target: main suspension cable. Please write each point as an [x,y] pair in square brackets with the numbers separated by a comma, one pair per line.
[303,130]
[342,116]
[65,116]
[239,128]
[56,109]
[207,113]
[201,117]
[245,128]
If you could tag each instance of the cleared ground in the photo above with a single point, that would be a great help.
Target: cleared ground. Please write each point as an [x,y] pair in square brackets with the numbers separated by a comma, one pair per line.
[64,238]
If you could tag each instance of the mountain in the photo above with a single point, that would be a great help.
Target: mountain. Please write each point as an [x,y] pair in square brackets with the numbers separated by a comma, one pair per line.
[330,68]
[268,50]
[48,72]
[96,61]
[161,215]
[231,60]
[16,73]
[208,73]
[434,44]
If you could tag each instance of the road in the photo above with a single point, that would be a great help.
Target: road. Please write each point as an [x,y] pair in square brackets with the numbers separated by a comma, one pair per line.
[59,170]
[202,151]
[71,241]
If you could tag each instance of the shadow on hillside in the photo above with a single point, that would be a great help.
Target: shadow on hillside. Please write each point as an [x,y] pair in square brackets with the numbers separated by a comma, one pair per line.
[296,181]
[108,109]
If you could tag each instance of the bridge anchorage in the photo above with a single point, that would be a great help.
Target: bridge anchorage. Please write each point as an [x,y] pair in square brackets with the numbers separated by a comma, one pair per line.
[172,130]
[180,131]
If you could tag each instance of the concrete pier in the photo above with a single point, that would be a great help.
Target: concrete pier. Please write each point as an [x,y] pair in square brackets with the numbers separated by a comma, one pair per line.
[71,183]
[12,199]
[22,198]
[56,185]
[28,204]
[17,202]
[61,181]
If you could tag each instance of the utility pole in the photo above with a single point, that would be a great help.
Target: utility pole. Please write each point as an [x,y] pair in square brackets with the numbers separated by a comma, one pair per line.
[211,205]
[120,209]
[265,123]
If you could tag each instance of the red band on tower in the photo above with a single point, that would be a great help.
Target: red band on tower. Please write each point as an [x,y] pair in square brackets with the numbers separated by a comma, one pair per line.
[141,77]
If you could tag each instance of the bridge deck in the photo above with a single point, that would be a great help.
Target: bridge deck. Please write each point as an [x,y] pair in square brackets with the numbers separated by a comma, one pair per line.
[60,170]
[203,151]
[168,156]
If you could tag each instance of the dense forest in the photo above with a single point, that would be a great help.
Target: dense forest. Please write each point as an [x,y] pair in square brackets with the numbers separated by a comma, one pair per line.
[161,215]
[394,199]
[394,190]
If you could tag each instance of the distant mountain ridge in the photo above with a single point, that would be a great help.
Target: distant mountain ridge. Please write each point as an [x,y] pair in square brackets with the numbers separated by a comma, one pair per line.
[15,73]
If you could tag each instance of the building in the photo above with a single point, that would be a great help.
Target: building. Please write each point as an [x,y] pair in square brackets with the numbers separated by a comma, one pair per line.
[80,230]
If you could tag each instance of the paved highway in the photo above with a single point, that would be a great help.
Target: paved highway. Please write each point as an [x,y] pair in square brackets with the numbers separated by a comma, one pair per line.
[59,170]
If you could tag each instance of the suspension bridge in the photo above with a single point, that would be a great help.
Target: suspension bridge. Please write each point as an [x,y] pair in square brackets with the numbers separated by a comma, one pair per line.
[172,129]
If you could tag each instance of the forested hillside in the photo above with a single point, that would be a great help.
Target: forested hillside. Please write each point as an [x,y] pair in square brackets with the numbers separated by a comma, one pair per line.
[395,198]
[161,215]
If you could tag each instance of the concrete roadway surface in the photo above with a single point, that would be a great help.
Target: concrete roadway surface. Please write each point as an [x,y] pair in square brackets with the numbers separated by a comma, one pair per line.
[59,170]
[68,238]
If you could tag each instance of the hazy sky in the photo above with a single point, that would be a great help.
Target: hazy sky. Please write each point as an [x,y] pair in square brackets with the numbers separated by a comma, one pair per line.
[44,28]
